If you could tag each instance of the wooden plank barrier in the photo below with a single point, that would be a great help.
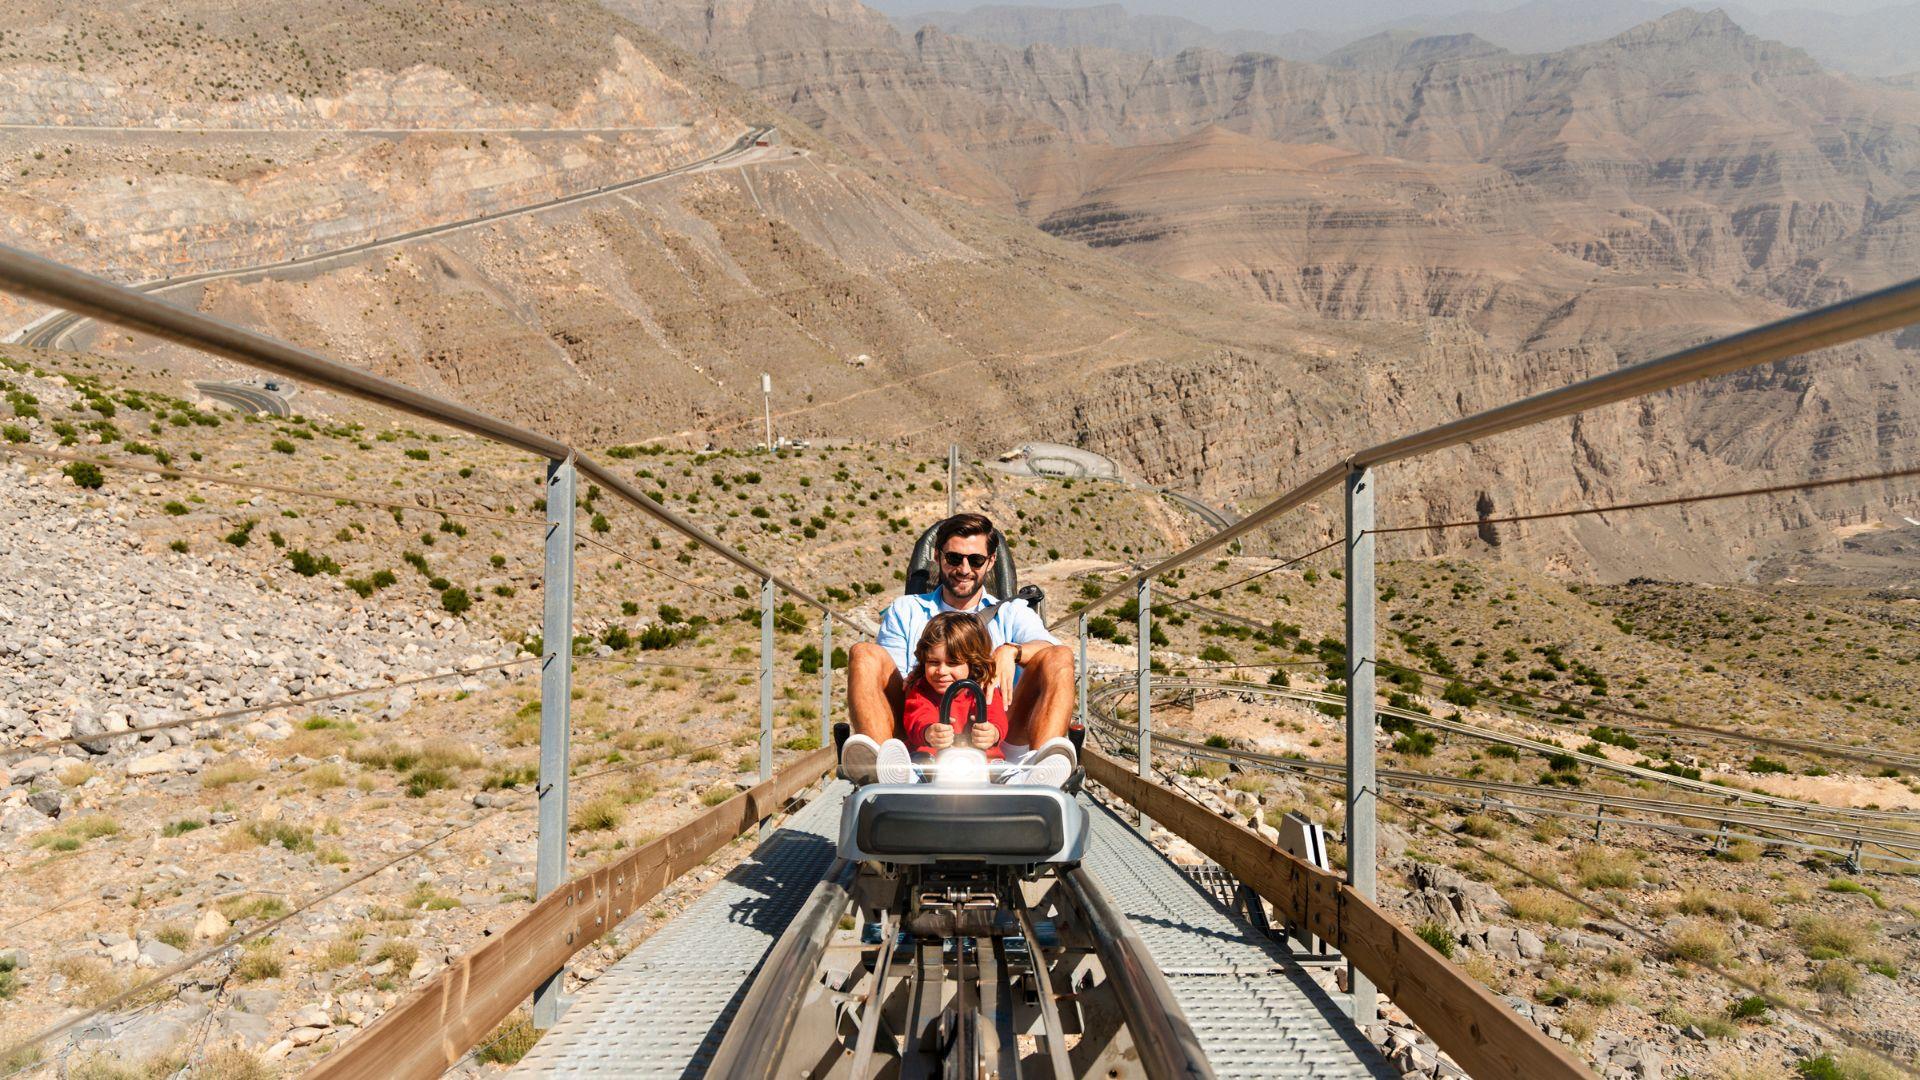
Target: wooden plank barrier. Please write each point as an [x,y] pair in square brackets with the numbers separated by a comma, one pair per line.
[432,1028]
[1484,1035]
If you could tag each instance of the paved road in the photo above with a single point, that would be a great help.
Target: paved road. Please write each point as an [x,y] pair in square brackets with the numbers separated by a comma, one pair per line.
[49,331]
[246,398]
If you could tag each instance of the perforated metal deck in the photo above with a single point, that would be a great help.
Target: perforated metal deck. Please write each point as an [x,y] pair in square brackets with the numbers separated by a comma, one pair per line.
[1256,1012]
[663,1009]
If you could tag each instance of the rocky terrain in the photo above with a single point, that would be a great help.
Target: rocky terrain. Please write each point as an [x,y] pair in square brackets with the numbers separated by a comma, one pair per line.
[414,553]
[885,311]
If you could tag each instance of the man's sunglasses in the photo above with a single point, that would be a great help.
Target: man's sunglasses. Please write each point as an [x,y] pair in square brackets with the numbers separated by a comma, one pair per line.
[955,558]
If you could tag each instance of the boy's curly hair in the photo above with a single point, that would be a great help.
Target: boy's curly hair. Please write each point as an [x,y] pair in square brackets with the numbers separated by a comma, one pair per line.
[964,638]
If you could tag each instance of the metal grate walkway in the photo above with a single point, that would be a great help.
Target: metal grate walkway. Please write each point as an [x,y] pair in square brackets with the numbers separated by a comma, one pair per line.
[663,1009]
[1256,1012]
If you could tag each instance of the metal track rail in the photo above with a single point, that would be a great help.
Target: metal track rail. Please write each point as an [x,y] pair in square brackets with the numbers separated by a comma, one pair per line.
[1769,830]
[1111,692]
[1161,1035]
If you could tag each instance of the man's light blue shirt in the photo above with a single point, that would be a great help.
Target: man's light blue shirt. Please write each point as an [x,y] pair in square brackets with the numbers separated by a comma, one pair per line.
[1012,623]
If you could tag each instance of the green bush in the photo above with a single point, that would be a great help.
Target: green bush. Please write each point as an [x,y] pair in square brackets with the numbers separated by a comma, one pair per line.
[383,578]
[418,454]
[361,586]
[1436,935]
[307,564]
[283,446]
[85,474]
[1767,765]
[240,536]
[1749,1008]
[16,434]
[456,600]
[176,508]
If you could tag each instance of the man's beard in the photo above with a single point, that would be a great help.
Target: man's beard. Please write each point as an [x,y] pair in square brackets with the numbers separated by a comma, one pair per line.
[966,599]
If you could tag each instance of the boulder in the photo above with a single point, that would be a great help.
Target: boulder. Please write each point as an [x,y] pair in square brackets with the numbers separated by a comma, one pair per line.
[212,926]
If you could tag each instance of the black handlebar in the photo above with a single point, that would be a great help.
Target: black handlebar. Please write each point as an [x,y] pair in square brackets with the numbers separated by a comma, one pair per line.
[979,701]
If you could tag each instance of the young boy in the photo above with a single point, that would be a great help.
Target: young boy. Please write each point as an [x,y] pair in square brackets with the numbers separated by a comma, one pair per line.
[954,646]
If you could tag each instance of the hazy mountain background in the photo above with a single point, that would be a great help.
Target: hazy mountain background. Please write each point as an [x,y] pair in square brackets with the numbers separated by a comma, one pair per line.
[1866,38]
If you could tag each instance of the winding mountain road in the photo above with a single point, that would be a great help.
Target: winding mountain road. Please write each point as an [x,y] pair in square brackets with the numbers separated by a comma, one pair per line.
[49,331]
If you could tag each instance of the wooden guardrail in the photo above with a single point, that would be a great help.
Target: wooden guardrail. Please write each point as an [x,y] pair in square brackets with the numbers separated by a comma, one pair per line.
[1488,1039]
[430,1030]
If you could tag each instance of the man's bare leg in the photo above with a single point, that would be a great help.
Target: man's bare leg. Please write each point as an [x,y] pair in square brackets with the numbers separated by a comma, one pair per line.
[1042,706]
[876,698]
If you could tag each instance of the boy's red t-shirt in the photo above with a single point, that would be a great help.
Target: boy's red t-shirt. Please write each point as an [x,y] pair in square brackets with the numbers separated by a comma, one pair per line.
[923,712]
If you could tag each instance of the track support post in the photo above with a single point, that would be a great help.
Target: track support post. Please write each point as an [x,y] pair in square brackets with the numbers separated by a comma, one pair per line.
[1362,785]
[766,680]
[826,679]
[1143,686]
[1080,676]
[556,698]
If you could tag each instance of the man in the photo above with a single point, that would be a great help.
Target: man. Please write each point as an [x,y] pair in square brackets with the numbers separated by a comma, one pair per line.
[1033,672]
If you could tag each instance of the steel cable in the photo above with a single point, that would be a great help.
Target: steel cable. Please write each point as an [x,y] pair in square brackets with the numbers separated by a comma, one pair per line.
[1679,500]
[195,960]
[169,472]
[249,710]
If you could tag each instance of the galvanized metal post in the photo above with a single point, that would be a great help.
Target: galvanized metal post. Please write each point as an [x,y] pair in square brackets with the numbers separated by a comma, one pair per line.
[1361,784]
[1143,687]
[953,479]
[556,698]
[766,678]
[1080,673]
[826,679]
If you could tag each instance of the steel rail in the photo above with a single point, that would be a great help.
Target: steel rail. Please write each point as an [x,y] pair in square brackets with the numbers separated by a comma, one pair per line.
[1416,782]
[36,278]
[757,1036]
[1163,1040]
[1522,742]
[1651,723]
[1836,324]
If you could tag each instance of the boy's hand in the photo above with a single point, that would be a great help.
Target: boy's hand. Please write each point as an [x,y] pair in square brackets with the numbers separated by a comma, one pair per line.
[1006,659]
[940,736]
[983,736]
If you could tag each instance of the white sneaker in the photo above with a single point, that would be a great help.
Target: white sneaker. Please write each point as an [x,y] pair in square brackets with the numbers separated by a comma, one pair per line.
[1050,763]
[895,763]
[960,765]
[858,757]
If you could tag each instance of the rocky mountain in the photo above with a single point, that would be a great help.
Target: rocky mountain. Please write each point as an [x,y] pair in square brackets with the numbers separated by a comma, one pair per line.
[1110,26]
[887,310]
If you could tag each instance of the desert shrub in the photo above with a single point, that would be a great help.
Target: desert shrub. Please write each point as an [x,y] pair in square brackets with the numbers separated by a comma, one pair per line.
[257,961]
[1836,977]
[283,446]
[85,474]
[507,776]
[1604,868]
[1752,1007]
[1542,906]
[307,564]
[1436,935]
[1484,826]
[510,1041]
[456,600]
[717,794]
[1499,750]
[248,906]
[69,835]
[1767,765]
[183,827]
[292,837]
[1699,941]
[1842,885]
[427,779]
[599,815]
[1416,743]
[227,773]
[1823,937]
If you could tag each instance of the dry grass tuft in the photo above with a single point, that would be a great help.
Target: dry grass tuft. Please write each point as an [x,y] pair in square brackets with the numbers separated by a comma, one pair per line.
[1542,906]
